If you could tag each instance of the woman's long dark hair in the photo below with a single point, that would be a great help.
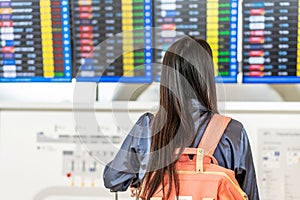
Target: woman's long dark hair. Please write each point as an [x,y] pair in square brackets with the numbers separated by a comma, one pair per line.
[187,73]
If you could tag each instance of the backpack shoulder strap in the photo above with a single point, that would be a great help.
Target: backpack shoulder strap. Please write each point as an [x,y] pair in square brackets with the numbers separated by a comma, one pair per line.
[213,133]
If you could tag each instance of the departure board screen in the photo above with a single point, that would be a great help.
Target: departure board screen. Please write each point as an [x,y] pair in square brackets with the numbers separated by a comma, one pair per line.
[100,54]
[271,49]
[35,41]
[212,20]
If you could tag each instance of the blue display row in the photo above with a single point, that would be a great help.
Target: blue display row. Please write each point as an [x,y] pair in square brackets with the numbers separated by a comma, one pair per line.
[124,41]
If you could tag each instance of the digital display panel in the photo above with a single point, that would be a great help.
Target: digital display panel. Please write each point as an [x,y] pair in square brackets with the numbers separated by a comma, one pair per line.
[100,53]
[35,41]
[271,49]
[212,20]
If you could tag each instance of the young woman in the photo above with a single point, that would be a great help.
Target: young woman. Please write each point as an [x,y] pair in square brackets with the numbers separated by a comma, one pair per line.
[187,102]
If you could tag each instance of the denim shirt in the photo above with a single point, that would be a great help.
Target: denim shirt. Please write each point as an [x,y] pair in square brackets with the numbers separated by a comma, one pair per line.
[233,152]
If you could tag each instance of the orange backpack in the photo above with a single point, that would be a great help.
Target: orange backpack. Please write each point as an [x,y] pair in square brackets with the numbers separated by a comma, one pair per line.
[202,178]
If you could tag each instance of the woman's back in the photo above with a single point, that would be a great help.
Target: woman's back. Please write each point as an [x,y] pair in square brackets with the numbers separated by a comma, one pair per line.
[187,102]
[233,152]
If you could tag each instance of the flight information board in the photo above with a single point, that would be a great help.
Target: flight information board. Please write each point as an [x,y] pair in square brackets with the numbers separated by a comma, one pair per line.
[212,20]
[100,53]
[271,48]
[35,41]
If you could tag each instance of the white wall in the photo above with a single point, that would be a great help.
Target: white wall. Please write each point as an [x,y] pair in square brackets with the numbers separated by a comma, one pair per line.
[37,169]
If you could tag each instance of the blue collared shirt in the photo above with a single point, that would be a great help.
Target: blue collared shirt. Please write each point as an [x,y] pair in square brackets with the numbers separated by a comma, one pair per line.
[233,152]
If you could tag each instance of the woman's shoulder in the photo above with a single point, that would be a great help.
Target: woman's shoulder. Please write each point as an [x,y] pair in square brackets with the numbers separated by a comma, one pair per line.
[235,137]
[235,129]
[235,125]
[141,127]
[145,119]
